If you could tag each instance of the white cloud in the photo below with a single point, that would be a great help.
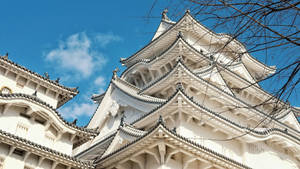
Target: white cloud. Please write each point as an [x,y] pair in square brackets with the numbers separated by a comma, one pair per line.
[78,57]
[107,38]
[77,110]
[76,54]
[100,81]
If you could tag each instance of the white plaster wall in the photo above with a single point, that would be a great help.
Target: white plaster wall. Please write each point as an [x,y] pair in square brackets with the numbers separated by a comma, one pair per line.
[132,108]
[35,131]
[212,140]
[13,162]
[64,144]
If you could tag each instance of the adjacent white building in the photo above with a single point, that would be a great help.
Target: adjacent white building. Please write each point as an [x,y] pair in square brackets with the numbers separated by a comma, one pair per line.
[185,101]
[33,135]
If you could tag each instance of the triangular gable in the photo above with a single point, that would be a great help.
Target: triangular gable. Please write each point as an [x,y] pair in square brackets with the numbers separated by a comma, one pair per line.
[214,76]
[180,73]
[241,70]
[149,144]
[124,135]
[95,148]
[119,93]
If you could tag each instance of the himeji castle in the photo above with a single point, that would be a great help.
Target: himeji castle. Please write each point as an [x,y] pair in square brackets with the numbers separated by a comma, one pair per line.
[187,100]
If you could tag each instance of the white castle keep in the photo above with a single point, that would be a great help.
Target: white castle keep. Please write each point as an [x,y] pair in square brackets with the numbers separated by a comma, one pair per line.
[187,100]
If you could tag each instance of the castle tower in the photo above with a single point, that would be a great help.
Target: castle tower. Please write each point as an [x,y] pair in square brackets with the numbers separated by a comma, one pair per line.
[188,100]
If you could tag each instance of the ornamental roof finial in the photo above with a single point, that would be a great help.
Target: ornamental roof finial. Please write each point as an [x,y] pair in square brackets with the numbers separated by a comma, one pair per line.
[74,122]
[164,15]
[46,75]
[160,120]
[115,72]
[179,86]
[57,80]
[5,56]
[179,58]
[122,121]
[180,34]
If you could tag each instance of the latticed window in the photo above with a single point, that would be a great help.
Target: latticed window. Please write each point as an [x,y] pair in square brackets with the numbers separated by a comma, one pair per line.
[5,90]
[22,129]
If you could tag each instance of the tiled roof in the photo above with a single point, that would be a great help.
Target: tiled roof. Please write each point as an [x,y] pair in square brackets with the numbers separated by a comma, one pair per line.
[153,83]
[93,132]
[207,29]
[41,148]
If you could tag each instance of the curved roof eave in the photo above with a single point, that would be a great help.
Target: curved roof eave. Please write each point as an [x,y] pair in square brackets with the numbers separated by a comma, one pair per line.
[141,98]
[49,107]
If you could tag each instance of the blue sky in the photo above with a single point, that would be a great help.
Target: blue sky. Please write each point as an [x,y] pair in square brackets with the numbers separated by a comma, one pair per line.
[79,41]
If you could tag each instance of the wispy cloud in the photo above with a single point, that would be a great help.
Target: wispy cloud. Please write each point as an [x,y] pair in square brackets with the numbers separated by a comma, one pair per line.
[80,56]
[78,109]
[100,83]
[104,39]
[77,55]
